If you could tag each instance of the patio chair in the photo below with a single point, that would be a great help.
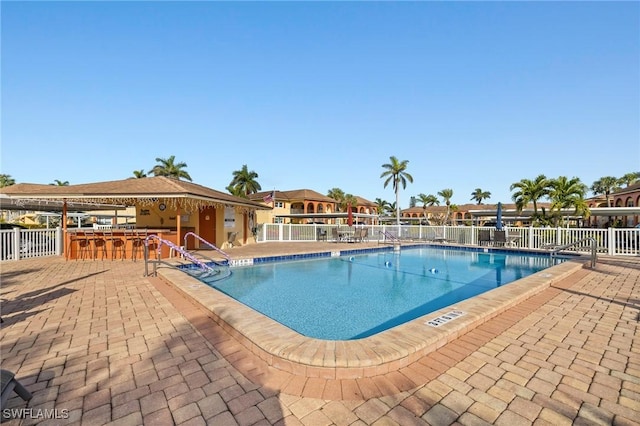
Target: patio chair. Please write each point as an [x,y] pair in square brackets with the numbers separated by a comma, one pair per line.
[365,234]
[232,239]
[11,384]
[335,236]
[321,234]
[499,238]
[440,238]
[484,237]
[357,236]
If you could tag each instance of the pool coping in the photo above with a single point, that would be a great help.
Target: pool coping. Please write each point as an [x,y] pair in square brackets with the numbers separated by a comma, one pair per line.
[387,351]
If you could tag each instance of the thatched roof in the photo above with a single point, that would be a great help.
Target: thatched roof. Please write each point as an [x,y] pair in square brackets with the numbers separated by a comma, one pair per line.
[128,192]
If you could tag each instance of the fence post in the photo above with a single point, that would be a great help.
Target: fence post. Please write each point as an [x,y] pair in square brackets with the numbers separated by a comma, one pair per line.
[530,242]
[16,244]
[610,242]
[59,241]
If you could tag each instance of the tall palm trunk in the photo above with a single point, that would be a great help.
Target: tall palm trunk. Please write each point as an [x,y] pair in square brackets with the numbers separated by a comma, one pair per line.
[398,205]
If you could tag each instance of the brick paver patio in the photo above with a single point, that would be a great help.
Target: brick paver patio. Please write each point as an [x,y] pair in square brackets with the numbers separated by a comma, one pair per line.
[97,343]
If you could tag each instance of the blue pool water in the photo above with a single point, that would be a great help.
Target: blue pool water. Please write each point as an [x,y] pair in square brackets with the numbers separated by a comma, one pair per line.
[352,297]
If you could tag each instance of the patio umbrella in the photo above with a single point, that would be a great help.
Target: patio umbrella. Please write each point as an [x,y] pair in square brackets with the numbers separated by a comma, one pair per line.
[349,215]
[499,217]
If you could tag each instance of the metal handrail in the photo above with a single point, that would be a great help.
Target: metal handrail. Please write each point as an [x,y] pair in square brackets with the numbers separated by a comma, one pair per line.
[208,271]
[177,249]
[594,248]
[193,234]
[389,236]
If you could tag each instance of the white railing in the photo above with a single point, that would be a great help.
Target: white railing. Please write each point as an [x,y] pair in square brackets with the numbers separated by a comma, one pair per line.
[99,226]
[612,241]
[19,243]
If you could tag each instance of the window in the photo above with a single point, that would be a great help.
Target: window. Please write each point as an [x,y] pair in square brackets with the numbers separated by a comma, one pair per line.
[279,204]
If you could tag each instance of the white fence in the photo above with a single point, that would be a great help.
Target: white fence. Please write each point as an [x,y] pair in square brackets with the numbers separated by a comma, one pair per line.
[27,243]
[18,244]
[612,241]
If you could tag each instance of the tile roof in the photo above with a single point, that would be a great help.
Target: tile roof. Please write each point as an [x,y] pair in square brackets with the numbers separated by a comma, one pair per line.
[631,188]
[296,194]
[306,194]
[365,202]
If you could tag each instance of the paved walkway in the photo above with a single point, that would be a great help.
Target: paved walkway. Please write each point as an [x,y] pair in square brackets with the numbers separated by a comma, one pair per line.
[97,343]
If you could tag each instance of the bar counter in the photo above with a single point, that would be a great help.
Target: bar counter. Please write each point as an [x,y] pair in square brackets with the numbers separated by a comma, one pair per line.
[108,244]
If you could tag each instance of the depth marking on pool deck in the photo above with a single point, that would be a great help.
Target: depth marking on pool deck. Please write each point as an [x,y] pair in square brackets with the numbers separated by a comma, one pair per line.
[445,318]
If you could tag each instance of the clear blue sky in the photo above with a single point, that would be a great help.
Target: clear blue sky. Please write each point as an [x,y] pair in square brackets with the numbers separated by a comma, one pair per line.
[319,95]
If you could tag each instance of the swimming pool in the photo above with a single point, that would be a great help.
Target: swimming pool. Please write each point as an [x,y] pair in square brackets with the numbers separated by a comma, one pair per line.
[357,296]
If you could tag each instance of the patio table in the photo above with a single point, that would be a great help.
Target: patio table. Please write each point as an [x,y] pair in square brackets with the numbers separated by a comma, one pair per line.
[512,240]
[345,235]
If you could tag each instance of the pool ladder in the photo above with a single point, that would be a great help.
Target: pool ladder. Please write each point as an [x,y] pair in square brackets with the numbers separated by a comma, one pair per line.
[207,243]
[206,270]
[390,237]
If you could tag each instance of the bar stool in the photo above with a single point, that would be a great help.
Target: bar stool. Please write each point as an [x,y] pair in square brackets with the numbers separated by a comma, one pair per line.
[74,242]
[130,237]
[84,245]
[118,245]
[137,244]
[99,245]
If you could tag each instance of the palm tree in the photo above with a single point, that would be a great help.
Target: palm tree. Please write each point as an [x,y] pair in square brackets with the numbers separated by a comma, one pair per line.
[236,190]
[478,195]
[381,206]
[6,180]
[453,208]
[57,182]
[630,178]
[349,199]
[530,191]
[430,200]
[338,195]
[396,172]
[446,195]
[393,210]
[169,168]
[606,185]
[427,200]
[138,174]
[245,181]
[567,193]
